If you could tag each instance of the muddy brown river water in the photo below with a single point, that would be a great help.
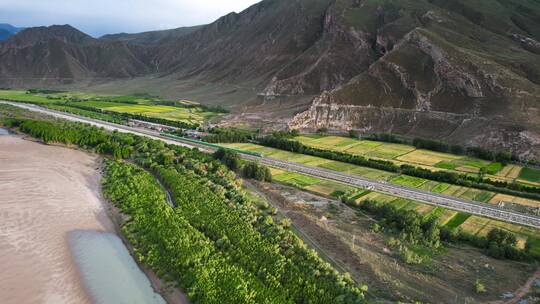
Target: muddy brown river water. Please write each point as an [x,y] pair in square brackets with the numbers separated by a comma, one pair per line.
[46,193]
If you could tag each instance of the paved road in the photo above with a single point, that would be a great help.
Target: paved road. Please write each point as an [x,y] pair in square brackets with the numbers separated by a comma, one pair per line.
[471,207]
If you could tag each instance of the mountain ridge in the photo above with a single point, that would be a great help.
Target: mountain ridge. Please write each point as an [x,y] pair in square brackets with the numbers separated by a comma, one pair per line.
[8,30]
[429,67]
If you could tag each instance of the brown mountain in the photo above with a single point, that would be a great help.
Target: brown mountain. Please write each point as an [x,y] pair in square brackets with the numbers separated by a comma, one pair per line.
[465,71]
[60,54]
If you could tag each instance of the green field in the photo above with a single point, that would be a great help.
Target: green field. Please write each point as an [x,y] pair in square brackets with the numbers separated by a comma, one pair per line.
[149,106]
[191,115]
[400,154]
[22,96]
[403,180]
[472,224]
[409,181]
[452,219]
[529,174]
[458,219]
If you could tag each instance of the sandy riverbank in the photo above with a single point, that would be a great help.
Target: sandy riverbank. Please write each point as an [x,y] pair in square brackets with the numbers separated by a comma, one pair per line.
[45,191]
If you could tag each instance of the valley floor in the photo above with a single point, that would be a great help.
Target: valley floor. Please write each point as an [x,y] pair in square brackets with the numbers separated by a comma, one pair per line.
[344,238]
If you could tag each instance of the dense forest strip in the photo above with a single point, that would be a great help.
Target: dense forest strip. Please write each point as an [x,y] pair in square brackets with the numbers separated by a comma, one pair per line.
[515,189]
[286,270]
[279,263]
[167,243]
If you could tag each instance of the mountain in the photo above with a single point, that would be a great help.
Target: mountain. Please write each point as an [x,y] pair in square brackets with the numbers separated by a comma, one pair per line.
[153,37]
[7,30]
[463,71]
[467,72]
[63,54]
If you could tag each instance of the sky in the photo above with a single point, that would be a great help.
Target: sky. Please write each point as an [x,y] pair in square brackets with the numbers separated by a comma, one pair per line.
[99,17]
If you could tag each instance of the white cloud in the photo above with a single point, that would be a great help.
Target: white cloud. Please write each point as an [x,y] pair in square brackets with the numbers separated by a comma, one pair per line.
[98,17]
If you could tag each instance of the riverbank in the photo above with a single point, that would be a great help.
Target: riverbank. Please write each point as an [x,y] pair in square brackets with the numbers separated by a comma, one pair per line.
[46,191]
[171,294]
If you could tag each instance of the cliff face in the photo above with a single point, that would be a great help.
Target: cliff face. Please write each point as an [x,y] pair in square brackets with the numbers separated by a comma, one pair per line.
[433,68]
[445,78]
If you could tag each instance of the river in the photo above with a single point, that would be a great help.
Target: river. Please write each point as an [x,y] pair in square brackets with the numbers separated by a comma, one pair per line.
[57,243]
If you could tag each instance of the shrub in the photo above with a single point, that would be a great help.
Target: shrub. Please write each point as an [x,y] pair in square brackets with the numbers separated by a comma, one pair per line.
[479,287]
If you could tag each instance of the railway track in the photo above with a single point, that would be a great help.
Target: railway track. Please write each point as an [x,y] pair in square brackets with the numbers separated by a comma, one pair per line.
[434,199]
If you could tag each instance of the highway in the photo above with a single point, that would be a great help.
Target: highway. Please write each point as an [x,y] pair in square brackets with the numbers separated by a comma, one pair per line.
[435,199]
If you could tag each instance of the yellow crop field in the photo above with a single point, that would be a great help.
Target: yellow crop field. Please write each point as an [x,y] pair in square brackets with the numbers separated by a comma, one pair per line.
[429,158]
[390,151]
[510,171]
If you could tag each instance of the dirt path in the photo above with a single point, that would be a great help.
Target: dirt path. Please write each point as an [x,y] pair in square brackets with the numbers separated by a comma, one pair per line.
[521,292]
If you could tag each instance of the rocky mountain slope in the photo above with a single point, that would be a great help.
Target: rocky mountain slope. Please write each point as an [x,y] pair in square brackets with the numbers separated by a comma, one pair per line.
[8,30]
[465,71]
[153,37]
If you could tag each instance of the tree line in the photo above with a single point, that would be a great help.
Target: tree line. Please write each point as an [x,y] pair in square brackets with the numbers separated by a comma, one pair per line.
[215,243]
[416,228]
[441,176]
[229,135]
[165,241]
[248,169]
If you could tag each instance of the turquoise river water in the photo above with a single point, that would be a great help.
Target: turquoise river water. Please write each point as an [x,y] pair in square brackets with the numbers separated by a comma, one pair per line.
[108,271]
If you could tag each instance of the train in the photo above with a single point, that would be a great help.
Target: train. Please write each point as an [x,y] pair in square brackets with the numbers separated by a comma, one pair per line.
[209,145]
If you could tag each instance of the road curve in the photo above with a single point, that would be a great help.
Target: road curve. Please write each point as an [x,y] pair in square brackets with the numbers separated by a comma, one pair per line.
[471,207]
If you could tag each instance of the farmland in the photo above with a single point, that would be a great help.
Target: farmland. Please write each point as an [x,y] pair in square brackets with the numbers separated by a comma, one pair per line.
[346,238]
[435,161]
[189,115]
[409,181]
[146,106]
[529,174]
[472,224]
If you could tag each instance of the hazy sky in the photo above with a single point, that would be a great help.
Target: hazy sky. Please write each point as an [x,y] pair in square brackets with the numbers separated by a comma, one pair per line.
[98,17]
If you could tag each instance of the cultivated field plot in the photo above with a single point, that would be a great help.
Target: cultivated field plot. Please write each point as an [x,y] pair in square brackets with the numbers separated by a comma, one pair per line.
[23,96]
[510,171]
[191,115]
[142,104]
[334,142]
[530,174]
[390,151]
[308,183]
[405,154]
[503,198]
[471,224]
[428,158]
[403,180]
